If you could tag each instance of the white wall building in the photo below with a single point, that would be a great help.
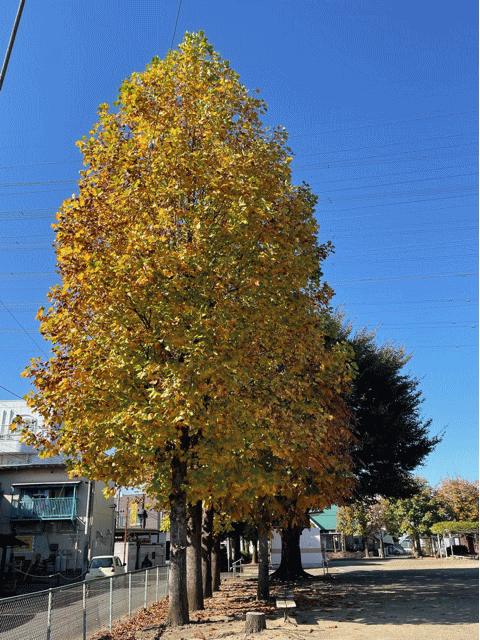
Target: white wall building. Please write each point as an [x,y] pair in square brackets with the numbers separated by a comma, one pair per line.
[64,521]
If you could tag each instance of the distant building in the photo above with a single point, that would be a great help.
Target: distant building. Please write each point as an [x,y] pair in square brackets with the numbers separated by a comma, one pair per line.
[323,538]
[61,521]
[138,539]
[321,535]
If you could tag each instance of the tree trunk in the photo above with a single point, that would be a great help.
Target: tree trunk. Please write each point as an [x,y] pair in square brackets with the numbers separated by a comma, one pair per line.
[207,543]
[255,552]
[365,545]
[254,622]
[263,587]
[470,543]
[418,545]
[216,562]
[382,546]
[236,546]
[291,561]
[194,557]
[177,600]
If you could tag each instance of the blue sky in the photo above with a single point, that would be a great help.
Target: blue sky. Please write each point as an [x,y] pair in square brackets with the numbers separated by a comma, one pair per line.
[380,101]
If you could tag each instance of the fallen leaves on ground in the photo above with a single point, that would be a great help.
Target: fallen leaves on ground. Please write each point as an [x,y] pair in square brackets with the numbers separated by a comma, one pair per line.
[227,607]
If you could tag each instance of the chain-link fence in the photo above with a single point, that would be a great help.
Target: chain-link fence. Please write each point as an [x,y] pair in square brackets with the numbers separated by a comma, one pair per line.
[76,611]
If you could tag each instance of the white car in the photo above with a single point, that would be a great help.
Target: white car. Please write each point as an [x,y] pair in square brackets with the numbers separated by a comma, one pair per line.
[105,567]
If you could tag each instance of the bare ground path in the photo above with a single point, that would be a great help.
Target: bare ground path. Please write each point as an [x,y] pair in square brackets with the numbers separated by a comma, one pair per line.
[373,599]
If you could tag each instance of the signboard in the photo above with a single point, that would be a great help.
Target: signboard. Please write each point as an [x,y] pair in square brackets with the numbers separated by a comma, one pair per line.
[132,520]
[28,543]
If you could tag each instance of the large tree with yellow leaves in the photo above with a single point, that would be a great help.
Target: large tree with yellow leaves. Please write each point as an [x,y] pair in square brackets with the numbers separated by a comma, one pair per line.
[190,300]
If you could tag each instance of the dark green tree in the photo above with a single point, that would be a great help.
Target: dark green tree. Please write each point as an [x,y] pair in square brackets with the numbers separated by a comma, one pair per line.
[392,437]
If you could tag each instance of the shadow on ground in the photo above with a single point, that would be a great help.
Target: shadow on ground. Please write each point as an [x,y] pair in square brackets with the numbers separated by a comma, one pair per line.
[430,596]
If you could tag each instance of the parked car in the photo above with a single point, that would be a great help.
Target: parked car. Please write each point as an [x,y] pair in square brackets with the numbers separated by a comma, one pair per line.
[396,550]
[105,566]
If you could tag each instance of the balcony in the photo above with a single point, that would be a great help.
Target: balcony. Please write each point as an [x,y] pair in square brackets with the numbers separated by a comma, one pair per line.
[45,509]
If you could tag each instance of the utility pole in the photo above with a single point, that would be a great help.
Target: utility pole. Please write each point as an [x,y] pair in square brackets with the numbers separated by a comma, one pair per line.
[12,40]
[125,534]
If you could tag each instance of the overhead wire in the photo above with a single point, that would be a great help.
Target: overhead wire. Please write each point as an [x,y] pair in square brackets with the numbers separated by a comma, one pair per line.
[371,206]
[359,178]
[389,184]
[380,146]
[23,328]
[402,173]
[367,177]
[371,196]
[404,278]
[333,163]
[382,124]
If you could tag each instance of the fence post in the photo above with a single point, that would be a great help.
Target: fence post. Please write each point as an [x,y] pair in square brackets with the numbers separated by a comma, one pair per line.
[156,587]
[110,612]
[49,614]
[146,584]
[84,612]
[129,595]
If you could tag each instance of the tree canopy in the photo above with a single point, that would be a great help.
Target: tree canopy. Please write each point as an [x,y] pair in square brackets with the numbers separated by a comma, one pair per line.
[391,436]
[452,527]
[190,301]
[459,498]
[415,515]
[391,439]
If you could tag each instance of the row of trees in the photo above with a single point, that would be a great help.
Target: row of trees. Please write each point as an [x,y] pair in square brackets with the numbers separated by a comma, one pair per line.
[194,351]
[429,510]
[391,437]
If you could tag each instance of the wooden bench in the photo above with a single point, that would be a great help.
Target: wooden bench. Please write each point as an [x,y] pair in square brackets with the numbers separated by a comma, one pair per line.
[286,601]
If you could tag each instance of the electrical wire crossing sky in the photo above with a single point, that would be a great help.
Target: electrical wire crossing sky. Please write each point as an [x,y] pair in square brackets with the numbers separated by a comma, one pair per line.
[380,100]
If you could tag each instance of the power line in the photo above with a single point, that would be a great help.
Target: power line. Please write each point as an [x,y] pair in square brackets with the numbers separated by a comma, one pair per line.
[402,173]
[412,301]
[371,206]
[444,346]
[23,329]
[383,233]
[28,210]
[23,193]
[26,184]
[352,162]
[389,184]
[176,23]
[329,163]
[366,313]
[401,195]
[416,326]
[13,394]
[403,260]
[403,278]
[430,245]
[378,231]
[38,164]
[26,274]
[380,146]
[383,124]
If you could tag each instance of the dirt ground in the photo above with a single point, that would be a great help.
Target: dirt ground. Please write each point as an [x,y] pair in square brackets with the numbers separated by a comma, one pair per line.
[374,599]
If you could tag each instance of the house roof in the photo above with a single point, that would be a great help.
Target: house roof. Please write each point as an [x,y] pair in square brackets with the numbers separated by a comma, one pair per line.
[45,483]
[325,520]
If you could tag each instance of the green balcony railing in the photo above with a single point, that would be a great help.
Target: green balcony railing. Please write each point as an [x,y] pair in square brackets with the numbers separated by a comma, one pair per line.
[45,508]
